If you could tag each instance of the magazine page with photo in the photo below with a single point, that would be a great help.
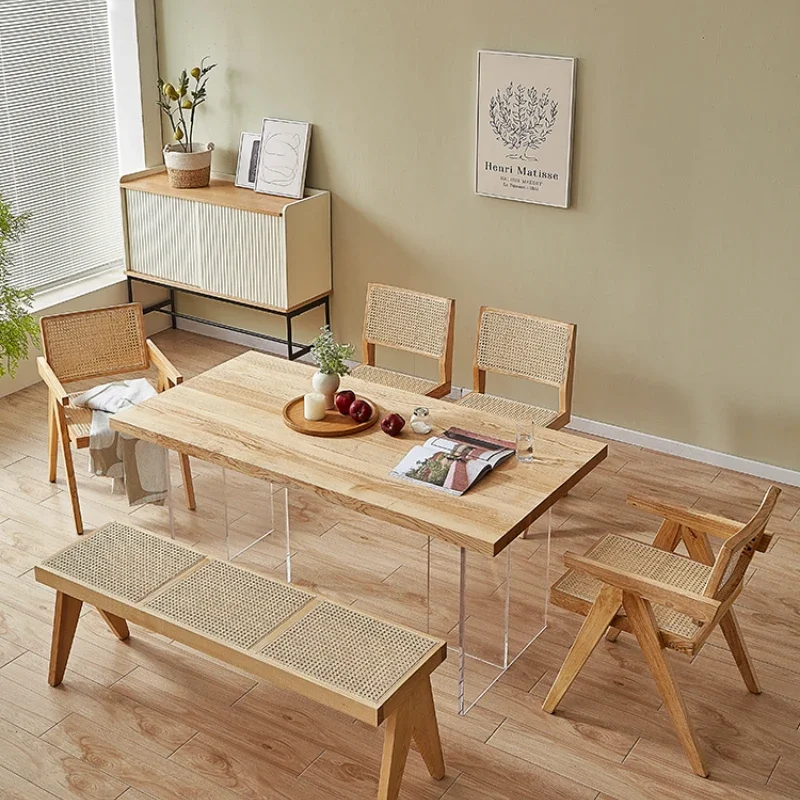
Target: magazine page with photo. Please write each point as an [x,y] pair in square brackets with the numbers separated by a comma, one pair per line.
[453,461]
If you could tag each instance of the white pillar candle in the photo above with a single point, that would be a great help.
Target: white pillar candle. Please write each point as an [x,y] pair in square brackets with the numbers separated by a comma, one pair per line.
[314,406]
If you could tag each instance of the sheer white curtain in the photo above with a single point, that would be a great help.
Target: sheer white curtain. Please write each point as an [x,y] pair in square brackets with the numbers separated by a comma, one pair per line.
[58,143]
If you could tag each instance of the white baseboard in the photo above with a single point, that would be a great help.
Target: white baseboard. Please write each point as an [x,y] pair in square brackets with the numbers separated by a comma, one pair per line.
[578,424]
[689,451]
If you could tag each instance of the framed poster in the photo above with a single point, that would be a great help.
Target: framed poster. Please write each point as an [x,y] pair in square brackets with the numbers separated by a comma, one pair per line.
[282,157]
[247,165]
[525,112]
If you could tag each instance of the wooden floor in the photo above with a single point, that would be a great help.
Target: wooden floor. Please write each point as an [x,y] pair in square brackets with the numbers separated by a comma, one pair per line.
[150,719]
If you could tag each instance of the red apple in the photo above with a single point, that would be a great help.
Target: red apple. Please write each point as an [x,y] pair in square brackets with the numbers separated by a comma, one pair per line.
[392,424]
[360,410]
[344,400]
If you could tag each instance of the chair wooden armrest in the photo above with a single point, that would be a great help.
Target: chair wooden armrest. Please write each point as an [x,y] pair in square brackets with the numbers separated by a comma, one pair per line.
[696,520]
[164,365]
[697,606]
[53,383]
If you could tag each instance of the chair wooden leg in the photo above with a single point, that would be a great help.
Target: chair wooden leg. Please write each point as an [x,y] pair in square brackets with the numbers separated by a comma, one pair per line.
[733,636]
[426,732]
[65,620]
[640,613]
[188,484]
[63,434]
[668,536]
[52,440]
[118,625]
[613,633]
[605,608]
[397,740]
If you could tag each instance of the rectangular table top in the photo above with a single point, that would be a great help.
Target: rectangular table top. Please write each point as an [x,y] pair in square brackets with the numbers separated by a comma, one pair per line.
[231,415]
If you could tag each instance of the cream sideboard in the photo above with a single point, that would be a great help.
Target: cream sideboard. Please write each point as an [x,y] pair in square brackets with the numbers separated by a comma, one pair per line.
[229,244]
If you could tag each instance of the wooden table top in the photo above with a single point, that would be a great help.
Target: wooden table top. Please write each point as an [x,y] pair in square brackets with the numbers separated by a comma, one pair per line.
[231,416]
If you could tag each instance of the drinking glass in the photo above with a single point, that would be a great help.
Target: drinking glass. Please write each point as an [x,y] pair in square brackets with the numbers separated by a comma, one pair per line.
[524,440]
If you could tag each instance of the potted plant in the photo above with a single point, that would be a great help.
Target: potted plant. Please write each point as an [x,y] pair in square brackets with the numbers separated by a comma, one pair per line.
[188,162]
[18,329]
[330,357]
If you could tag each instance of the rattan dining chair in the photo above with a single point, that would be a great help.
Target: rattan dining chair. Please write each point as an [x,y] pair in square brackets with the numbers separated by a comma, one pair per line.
[405,320]
[538,349]
[84,345]
[665,599]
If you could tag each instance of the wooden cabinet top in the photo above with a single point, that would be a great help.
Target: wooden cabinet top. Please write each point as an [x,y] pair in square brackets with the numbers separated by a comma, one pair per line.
[219,193]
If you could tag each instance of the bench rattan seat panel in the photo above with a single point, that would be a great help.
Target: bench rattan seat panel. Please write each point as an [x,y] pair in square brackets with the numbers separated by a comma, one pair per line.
[118,560]
[340,657]
[231,604]
[504,407]
[397,380]
[349,650]
[660,565]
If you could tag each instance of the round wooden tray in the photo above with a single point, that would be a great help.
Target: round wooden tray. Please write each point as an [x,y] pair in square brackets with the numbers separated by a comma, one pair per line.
[334,424]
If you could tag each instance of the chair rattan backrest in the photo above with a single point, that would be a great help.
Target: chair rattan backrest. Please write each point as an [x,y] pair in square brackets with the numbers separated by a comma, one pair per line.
[95,343]
[737,551]
[525,346]
[407,320]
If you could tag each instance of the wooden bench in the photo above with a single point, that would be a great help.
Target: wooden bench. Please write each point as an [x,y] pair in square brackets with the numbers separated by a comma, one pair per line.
[346,660]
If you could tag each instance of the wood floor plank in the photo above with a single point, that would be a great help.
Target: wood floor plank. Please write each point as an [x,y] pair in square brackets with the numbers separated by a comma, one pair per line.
[53,769]
[128,763]
[13,787]
[282,735]
[148,726]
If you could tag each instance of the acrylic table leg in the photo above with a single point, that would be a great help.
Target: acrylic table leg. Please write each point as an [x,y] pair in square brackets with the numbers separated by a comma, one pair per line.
[288,537]
[462,624]
[507,609]
[428,589]
[170,496]
[225,514]
[547,565]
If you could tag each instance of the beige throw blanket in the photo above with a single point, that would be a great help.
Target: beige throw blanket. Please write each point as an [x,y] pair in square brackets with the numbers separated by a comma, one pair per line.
[139,466]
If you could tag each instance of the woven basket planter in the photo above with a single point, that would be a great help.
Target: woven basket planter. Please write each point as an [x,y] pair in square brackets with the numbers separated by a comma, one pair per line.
[188,170]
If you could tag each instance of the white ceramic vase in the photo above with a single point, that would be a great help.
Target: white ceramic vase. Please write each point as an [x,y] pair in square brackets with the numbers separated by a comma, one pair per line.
[188,170]
[327,385]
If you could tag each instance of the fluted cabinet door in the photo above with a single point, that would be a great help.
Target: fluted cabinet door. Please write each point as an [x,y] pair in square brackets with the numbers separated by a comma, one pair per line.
[222,250]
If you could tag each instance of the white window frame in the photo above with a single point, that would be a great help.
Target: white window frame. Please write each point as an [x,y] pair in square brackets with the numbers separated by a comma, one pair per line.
[134,60]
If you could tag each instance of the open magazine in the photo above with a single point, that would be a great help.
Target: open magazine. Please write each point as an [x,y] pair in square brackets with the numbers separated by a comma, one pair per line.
[453,461]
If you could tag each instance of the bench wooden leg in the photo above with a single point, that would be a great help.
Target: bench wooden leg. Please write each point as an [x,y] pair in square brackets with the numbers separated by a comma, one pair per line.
[397,740]
[426,732]
[414,719]
[68,611]
[117,624]
[640,613]
[605,608]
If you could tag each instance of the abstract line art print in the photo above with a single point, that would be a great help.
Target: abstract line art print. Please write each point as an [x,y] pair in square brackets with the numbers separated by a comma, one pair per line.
[282,157]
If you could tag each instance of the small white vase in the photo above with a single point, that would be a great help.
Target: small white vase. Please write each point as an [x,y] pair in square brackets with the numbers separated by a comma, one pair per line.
[327,385]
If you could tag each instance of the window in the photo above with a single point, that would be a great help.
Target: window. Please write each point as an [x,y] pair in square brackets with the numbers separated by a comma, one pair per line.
[58,143]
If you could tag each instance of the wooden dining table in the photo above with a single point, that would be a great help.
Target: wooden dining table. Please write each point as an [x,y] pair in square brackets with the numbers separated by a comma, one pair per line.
[232,416]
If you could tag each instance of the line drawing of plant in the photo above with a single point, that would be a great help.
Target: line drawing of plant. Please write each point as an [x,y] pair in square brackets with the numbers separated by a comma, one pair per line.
[522,118]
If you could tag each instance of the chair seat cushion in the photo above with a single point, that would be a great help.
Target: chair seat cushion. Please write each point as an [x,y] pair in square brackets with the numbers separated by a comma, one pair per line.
[397,380]
[640,559]
[512,409]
